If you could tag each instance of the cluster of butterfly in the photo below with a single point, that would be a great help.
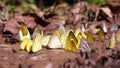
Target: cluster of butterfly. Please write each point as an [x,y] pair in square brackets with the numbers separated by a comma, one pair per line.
[72,40]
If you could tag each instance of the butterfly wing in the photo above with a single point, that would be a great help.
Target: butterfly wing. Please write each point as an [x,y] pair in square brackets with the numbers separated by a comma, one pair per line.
[29,45]
[45,40]
[23,33]
[101,35]
[89,37]
[54,42]
[24,44]
[71,42]
[112,41]
[118,35]
[37,43]
[70,45]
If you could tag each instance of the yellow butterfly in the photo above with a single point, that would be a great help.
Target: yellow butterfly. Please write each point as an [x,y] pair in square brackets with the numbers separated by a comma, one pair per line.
[112,41]
[89,37]
[79,31]
[61,30]
[36,30]
[23,33]
[32,46]
[37,43]
[26,44]
[101,35]
[118,35]
[57,32]
[45,40]
[96,30]
[29,45]
[72,42]
[63,40]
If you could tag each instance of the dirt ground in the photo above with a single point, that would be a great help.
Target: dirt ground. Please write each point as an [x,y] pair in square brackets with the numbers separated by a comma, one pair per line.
[11,56]
[101,56]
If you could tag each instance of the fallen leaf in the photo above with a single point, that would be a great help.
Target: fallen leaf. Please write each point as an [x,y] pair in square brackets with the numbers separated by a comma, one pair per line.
[14,29]
[107,11]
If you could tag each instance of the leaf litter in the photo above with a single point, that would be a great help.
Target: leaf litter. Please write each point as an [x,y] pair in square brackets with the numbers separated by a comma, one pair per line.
[100,49]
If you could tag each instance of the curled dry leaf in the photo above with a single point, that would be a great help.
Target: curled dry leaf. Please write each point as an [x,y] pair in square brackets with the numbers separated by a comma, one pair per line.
[114,6]
[14,29]
[107,11]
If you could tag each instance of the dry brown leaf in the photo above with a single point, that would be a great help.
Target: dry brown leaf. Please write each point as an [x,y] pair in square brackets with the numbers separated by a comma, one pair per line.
[107,11]
[114,7]
[13,26]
